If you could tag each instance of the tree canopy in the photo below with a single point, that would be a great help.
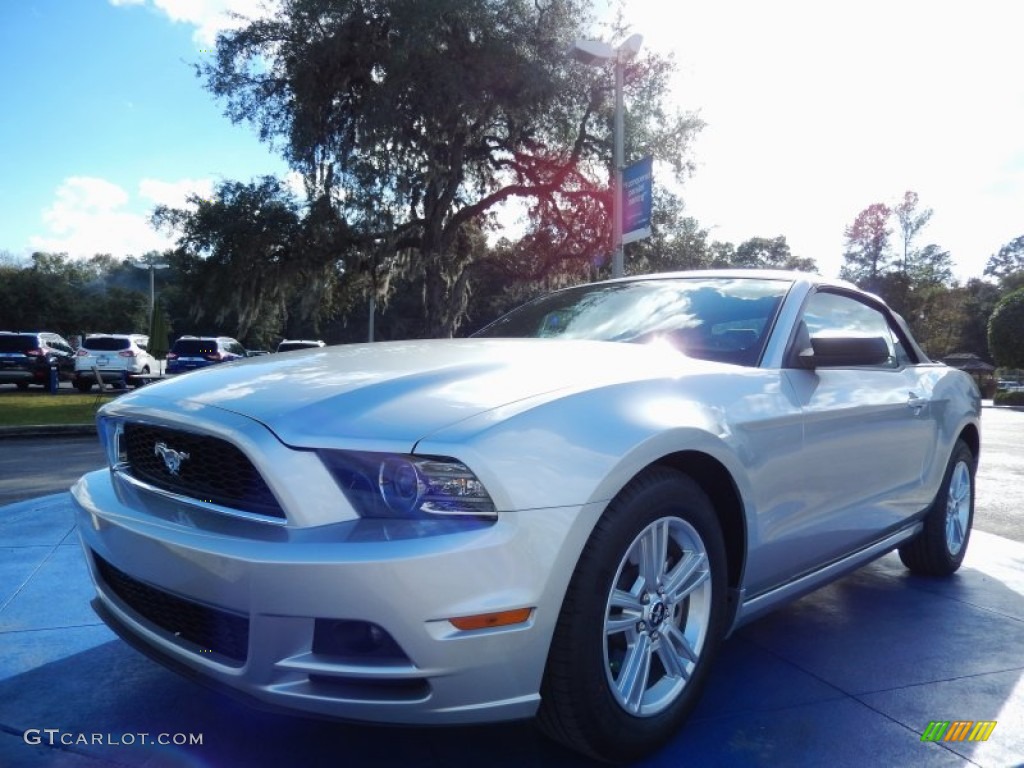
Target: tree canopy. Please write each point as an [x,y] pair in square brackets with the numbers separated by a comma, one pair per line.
[414,121]
[1006,331]
[1008,261]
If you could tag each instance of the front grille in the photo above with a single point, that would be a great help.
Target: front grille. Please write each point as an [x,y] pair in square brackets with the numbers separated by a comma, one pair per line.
[208,469]
[212,630]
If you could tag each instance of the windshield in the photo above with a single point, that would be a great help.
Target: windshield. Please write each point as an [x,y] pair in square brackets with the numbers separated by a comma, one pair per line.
[289,346]
[106,343]
[16,343]
[195,347]
[724,319]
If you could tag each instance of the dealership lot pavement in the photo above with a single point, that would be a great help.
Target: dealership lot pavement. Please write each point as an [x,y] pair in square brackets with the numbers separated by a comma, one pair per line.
[849,676]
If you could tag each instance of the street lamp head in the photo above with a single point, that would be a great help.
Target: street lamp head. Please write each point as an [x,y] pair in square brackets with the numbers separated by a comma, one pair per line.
[597,52]
[592,52]
[630,47]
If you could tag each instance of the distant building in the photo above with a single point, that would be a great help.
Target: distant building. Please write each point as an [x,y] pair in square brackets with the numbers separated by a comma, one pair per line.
[983,373]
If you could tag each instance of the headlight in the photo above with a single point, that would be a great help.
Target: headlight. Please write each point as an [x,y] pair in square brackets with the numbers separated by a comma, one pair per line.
[391,485]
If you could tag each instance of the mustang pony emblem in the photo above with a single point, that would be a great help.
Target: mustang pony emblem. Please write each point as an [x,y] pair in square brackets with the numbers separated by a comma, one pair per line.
[172,458]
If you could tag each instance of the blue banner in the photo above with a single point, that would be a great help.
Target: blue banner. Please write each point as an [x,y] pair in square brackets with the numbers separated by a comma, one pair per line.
[636,200]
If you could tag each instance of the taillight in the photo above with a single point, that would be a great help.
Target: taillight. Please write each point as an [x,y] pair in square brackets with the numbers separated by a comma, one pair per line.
[82,352]
[172,356]
[215,356]
[34,352]
[126,353]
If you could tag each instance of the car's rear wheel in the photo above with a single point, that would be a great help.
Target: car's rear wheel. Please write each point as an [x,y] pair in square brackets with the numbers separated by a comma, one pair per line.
[940,547]
[641,621]
[83,386]
[21,385]
[142,382]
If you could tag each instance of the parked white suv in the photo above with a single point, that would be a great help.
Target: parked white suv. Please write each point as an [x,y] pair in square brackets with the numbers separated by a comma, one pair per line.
[290,345]
[119,357]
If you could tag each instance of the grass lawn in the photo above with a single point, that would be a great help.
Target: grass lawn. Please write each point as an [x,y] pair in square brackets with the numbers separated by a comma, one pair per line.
[19,409]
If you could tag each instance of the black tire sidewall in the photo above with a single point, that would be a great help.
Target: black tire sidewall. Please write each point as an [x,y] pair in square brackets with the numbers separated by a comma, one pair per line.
[928,553]
[658,493]
[937,516]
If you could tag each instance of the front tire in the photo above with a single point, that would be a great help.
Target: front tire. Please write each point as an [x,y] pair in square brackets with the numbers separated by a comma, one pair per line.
[83,386]
[940,547]
[641,621]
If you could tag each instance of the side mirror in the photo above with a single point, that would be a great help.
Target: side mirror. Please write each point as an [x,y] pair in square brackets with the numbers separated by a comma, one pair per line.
[843,352]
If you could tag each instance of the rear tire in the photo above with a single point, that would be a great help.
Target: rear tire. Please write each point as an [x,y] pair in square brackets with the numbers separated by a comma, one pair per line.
[641,621]
[940,547]
[21,385]
[83,386]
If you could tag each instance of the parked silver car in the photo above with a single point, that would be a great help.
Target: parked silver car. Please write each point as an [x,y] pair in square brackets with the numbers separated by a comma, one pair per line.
[541,520]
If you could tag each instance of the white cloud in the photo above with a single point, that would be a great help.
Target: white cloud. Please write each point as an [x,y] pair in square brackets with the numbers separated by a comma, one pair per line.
[174,193]
[209,17]
[90,215]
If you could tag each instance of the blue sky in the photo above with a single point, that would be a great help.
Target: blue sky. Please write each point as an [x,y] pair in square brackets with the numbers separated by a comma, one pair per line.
[103,119]
[814,111]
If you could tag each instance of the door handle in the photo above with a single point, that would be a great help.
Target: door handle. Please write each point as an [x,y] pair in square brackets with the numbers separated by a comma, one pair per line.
[916,403]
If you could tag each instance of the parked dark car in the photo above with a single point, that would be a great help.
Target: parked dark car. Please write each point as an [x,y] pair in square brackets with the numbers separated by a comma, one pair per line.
[191,352]
[25,358]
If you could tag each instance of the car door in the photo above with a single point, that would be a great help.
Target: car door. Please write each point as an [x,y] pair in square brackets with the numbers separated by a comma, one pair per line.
[867,430]
[59,354]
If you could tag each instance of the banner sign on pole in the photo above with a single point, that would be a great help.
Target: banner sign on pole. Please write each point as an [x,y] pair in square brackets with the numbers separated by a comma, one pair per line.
[636,200]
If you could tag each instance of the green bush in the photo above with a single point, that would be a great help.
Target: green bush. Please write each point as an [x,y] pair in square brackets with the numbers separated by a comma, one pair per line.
[1009,398]
[1006,331]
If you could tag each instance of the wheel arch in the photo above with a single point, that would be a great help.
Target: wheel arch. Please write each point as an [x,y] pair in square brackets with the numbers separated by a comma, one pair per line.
[717,482]
[972,436]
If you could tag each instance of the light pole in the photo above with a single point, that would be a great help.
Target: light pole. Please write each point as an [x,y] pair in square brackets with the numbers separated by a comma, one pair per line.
[596,53]
[152,286]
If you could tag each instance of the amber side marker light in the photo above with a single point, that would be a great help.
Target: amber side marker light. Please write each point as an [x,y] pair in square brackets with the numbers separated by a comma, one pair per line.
[489,620]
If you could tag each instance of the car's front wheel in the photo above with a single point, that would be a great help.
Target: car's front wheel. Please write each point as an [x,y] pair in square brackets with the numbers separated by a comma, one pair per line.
[641,621]
[82,385]
[940,547]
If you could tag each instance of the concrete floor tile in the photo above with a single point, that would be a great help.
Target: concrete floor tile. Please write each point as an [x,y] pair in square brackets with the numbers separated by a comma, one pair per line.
[997,696]
[871,631]
[39,522]
[746,678]
[837,734]
[14,752]
[17,564]
[57,595]
[21,652]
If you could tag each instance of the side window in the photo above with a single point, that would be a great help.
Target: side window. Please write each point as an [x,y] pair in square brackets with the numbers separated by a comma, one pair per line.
[833,314]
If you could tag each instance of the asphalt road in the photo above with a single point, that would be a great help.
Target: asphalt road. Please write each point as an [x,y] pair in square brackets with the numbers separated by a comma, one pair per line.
[38,466]
[999,505]
[31,467]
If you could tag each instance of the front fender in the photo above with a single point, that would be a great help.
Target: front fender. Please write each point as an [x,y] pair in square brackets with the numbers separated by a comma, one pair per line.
[585,447]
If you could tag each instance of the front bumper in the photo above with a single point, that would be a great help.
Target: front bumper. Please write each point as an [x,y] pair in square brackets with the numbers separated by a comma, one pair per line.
[107,374]
[16,375]
[280,587]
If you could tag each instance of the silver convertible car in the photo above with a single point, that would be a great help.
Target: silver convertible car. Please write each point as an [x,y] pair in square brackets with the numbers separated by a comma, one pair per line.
[561,517]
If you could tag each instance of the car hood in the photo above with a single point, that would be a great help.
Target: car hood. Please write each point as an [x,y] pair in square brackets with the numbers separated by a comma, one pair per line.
[392,394]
